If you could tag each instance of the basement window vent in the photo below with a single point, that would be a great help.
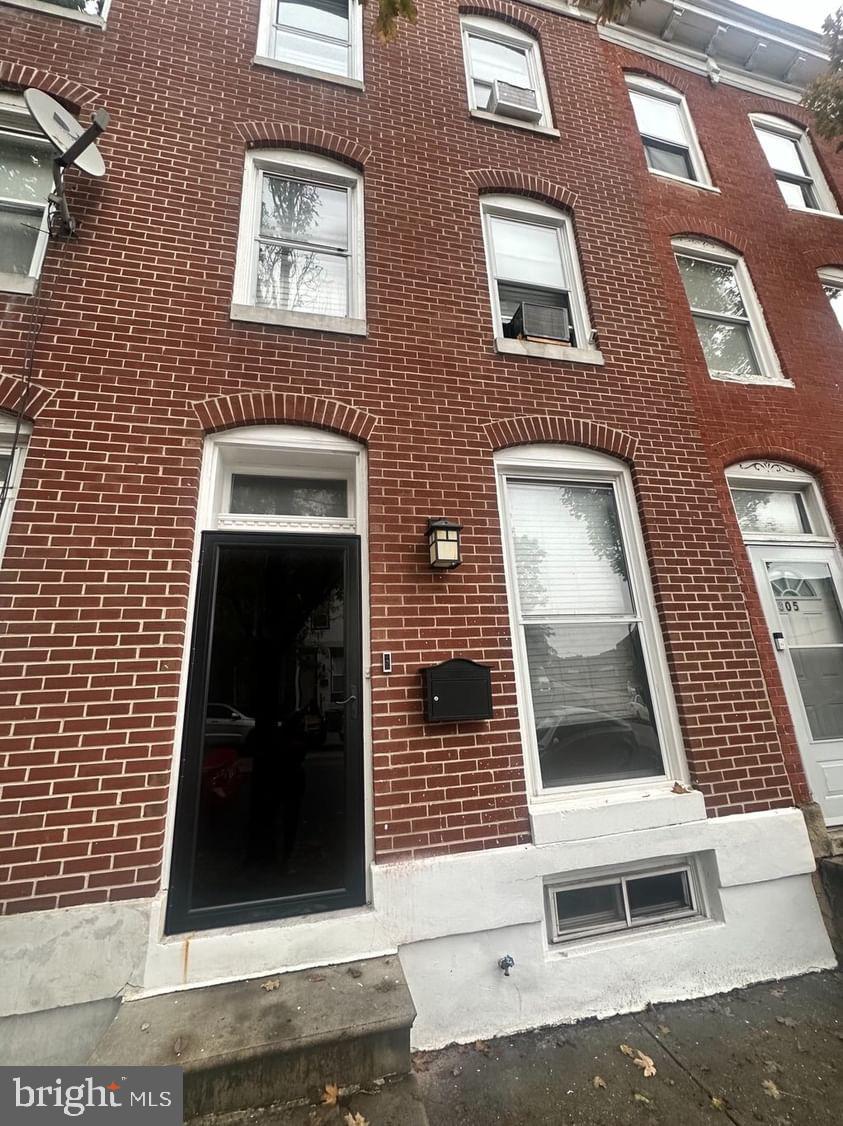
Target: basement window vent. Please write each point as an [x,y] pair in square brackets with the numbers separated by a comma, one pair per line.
[623,902]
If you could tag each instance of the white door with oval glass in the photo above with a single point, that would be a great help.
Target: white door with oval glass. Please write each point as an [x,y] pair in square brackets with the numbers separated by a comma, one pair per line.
[798,572]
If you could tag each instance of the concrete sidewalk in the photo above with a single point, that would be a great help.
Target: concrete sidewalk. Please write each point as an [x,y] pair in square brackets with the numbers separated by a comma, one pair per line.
[770,1054]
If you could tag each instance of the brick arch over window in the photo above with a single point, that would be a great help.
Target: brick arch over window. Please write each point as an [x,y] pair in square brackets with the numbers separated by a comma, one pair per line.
[13,398]
[660,73]
[504,180]
[793,115]
[284,135]
[710,232]
[506,13]
[764,447]
[524,429]
[253,407]
[77,96]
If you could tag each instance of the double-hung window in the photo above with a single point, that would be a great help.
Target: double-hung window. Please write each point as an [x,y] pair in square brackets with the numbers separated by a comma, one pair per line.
[300,253]
[667,131]
[504,72]
[593,693]
[790,155]
[536,287]
[726,312]
[832,283]
[26,180]
[13,445]
[321,38]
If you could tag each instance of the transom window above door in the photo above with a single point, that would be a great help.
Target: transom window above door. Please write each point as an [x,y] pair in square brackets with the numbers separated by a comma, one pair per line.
[317,38]
[504,73]
[777,502]
[667,131]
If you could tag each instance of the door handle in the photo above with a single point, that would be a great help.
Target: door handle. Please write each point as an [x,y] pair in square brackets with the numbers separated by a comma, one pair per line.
[779,642]
[347,700]
[352,699]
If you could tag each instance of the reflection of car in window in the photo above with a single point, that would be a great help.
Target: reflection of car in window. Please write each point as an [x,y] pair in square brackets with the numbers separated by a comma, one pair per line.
[225,724]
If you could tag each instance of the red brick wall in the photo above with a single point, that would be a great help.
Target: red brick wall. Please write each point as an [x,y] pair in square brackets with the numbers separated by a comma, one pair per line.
[137,336]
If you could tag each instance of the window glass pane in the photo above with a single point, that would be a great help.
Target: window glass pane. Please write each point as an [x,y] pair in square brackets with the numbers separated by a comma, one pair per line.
[782,152]
[773,512]
[835,295]
[807,603]
[482,94]
[658,895]
[591,704]
[25,168]
[569,557]
[797,195]
[511,295]
[288,496]
[90,7]
[325,17]
[657,117]
[676,162]
[302,281]
[18,236]
[313,213]
[727,347]
[527,253]
[580,908]
[711,287]
[306,51]
[5,464]
[490,61]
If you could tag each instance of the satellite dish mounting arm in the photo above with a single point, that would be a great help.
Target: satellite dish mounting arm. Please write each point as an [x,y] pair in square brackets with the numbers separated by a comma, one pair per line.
[98,124]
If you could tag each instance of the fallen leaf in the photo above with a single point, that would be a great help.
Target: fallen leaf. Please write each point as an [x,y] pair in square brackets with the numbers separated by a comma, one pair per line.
[788,1022]
[353,971]
[772,1066]
[356,1120]
[482,1046]
[664,1029]
[645,1063]
[639,1098]
[330,1094]
[598,1082]
[273,983]
[316,977]
[778,992]
[771,1089]
[627,1051]
[145,1026]
[678,788]
[178,1045]
[718,1104]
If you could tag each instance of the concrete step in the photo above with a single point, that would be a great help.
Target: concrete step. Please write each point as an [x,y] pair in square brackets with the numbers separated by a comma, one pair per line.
[831,877]
[397,1103]
[273,1040]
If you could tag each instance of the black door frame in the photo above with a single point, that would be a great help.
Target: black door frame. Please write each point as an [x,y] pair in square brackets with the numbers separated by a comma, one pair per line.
[180,918]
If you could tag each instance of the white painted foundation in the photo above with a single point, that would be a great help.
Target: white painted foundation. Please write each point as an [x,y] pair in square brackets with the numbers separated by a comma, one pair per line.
[451,918]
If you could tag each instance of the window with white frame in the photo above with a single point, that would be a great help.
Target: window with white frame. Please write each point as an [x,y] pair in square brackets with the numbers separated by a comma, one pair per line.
[322,38]
[594,696]
[86,11]
[623,901]
[831,279]
[26,180]
[777,501]
[300,255]
[504,72]
[667,131]
[13,445]
[536,287]
[789,153]
[728,317]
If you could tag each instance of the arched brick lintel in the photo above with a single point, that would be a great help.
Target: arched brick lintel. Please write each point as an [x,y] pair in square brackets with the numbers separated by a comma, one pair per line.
[525,429]
[73,93]
[764,447]
[508,13]
[653,69]
[505,180]
[250,408]
[697,228]
[285,135]
[13,399]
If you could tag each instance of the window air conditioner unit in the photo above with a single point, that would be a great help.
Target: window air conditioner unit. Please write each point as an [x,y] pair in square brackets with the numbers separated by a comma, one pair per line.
[514,101]
[540,322]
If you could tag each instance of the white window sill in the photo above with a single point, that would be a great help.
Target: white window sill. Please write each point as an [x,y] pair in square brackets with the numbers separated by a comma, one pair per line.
[684,180]
[816,211]
[351,326]
[17,283]
[500,119]
[581,815]
[53,10]
[751,380]
[512,347]
[308,72]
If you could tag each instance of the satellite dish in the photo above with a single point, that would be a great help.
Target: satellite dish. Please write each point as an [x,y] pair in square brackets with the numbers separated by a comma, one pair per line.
[64,131]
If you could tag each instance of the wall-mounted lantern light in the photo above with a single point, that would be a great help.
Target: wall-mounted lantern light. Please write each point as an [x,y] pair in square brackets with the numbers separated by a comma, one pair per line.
[443,537]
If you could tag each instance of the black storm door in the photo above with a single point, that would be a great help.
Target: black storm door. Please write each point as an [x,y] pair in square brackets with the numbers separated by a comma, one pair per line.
[269,820]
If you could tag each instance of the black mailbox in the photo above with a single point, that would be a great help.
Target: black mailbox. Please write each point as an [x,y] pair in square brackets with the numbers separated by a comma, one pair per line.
[457,690]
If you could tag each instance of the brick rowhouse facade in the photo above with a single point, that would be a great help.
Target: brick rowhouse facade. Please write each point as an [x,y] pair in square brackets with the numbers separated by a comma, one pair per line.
[138,360]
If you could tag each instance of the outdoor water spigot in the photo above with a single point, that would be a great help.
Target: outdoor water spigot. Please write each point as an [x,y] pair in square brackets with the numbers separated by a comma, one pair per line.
[506,963]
